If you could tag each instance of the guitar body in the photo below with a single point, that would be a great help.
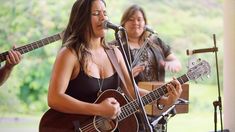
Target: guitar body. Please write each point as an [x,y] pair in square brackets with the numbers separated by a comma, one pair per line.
[54,121]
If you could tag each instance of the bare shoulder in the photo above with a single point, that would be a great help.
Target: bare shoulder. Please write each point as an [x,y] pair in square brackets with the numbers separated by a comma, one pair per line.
[66,53]
[66,56]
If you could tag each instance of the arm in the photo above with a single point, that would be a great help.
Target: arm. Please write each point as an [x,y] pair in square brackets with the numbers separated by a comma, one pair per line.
[12,59]
[4,72]
[67,67]
[138,69]
[172,63]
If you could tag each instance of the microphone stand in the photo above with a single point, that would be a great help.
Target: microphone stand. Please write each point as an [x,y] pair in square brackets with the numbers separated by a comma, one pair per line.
[148,127]
[217,102]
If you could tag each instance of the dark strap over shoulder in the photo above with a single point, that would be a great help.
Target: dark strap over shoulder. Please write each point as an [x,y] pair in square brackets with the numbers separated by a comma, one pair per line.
[114,61]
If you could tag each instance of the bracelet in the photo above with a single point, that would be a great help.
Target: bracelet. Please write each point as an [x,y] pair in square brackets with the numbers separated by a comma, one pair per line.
[160,106]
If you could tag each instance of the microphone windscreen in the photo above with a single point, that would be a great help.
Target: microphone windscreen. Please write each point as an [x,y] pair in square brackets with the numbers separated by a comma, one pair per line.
[105,23]
[149,29]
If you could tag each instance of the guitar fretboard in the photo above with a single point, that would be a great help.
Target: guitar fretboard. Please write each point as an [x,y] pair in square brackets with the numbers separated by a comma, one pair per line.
[133,106]
[29,47]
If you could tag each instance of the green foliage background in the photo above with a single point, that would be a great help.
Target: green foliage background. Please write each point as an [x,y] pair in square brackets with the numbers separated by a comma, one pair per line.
[181,24]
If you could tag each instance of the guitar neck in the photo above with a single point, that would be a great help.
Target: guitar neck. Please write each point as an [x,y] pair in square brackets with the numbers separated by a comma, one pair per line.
[32,46]
[133,106]
[159,92]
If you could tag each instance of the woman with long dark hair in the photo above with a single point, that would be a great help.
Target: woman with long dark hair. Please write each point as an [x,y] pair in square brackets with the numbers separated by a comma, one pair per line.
[83,72]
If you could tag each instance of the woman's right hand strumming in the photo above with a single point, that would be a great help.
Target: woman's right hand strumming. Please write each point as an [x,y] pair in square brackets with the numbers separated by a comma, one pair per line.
[110,108]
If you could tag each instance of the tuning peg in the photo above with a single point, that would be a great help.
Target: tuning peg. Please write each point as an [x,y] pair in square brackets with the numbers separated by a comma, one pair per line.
[192,61]
[199,60]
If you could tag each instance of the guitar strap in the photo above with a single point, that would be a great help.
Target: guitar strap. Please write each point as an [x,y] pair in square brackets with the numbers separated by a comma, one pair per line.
[113,58]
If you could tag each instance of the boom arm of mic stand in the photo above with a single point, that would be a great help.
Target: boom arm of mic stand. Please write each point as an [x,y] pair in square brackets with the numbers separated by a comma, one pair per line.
[141,106]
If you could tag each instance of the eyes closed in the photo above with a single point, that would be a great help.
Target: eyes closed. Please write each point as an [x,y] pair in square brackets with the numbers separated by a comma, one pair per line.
[98,13]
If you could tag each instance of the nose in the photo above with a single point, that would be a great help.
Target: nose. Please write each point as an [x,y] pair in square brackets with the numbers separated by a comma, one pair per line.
[102,16]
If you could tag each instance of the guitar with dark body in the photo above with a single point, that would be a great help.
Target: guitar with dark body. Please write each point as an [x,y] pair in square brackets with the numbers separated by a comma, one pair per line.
[54,121]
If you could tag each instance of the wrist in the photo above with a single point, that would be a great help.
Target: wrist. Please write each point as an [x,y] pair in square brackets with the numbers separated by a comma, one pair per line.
[96,110]
[8,67]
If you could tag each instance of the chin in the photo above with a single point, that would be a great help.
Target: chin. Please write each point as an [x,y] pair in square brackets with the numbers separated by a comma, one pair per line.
[100,35]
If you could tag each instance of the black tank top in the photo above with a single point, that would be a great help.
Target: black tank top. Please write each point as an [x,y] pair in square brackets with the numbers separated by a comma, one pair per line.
[85,88]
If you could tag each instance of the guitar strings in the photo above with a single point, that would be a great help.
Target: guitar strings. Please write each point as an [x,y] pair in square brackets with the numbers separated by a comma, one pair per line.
[90,126]
[98,122]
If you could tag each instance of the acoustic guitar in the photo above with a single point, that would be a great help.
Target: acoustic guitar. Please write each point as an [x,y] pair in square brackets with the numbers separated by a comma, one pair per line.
[55,121]
[33,45]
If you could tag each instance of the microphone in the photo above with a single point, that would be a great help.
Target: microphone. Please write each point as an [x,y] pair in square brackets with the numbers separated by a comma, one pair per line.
[195,51]
[147,28]
[107,24]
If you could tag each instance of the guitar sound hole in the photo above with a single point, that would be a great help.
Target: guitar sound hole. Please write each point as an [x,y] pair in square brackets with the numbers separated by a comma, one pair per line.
[104,125]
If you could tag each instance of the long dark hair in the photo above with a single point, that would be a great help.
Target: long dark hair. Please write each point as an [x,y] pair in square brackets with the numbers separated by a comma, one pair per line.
[79,30]
[131,11]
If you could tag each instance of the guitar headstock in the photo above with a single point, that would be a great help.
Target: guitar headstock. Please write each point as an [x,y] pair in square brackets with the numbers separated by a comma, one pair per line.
[202,68]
